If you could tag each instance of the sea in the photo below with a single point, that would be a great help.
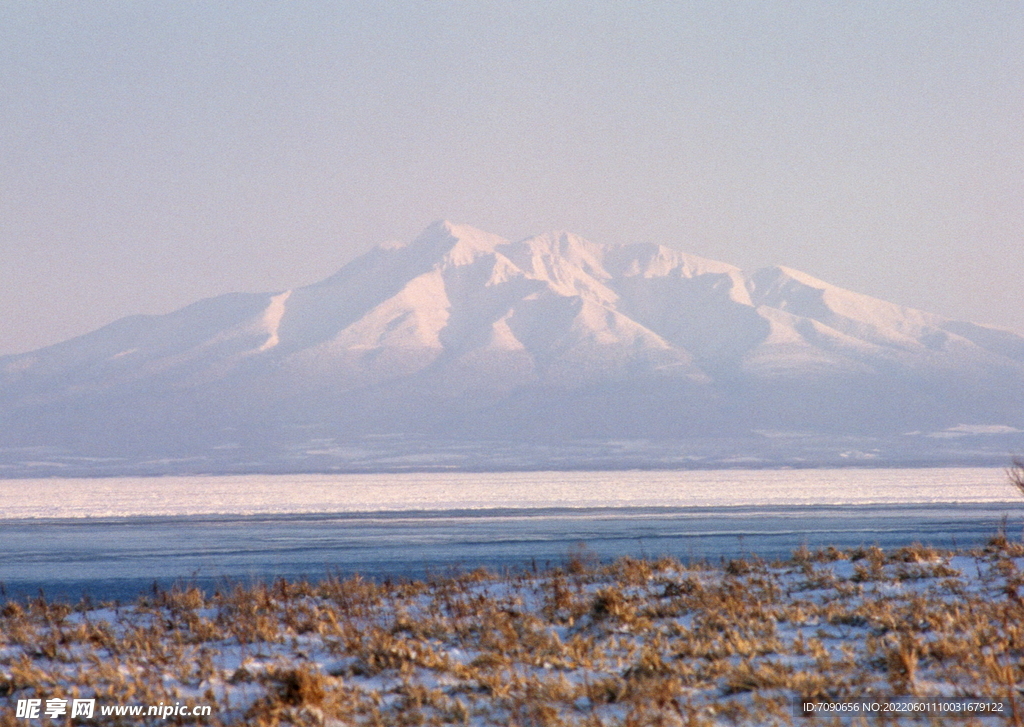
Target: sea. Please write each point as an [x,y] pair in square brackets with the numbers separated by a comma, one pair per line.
[110,539]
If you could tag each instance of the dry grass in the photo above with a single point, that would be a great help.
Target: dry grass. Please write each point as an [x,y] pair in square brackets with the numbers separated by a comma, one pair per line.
[631,643]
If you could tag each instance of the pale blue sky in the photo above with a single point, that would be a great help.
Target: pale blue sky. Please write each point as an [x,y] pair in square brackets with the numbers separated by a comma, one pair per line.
[154,153]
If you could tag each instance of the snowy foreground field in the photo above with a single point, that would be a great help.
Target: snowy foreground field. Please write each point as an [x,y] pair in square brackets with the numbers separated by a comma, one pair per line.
[909,636]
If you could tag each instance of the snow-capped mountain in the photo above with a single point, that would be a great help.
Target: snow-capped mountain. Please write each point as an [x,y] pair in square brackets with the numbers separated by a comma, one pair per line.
[464,336]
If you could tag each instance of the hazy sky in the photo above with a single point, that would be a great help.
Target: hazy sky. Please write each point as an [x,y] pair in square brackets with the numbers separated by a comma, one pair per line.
[154,153]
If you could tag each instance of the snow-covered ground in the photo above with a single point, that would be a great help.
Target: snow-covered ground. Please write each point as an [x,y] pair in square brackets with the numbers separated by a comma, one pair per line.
[273,494]
[908,636]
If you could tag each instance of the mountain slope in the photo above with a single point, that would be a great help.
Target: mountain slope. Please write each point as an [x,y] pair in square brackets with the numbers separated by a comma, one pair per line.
[464,335]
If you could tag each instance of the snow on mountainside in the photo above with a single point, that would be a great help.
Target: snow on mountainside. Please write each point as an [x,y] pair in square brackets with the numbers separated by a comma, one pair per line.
[465,334]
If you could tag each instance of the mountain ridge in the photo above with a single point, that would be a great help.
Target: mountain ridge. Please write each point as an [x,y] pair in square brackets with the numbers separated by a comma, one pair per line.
[464,335]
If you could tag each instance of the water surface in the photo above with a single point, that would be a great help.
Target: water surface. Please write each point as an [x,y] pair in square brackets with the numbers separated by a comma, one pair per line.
[57,535]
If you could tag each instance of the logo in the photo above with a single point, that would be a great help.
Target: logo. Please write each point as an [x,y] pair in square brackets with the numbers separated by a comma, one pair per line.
[34,709]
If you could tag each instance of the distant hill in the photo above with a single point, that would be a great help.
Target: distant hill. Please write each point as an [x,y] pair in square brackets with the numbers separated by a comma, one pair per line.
[464,349]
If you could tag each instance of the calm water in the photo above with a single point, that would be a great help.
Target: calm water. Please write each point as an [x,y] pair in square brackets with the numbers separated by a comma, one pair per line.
[117,557]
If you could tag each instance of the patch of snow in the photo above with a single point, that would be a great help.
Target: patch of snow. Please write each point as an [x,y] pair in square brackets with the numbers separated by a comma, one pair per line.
[502,337]
[967,430]
[272,319]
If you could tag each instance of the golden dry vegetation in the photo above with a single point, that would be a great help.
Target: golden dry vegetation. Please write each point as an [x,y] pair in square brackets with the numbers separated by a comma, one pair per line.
[631,643]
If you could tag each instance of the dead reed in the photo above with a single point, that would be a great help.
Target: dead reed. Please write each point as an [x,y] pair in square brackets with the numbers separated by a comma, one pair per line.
[634,642]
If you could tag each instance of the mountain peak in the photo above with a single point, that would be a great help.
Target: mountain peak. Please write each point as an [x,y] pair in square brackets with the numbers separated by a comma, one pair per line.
[454,243]
[551,250]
